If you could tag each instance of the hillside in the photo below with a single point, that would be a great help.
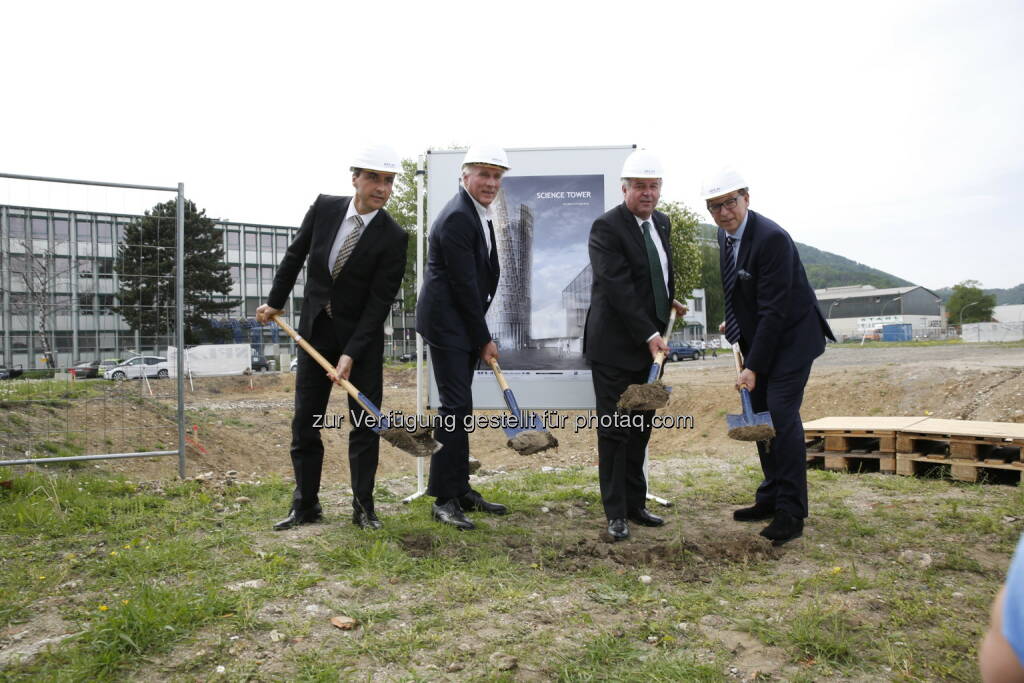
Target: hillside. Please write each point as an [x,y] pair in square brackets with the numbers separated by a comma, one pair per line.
[825,269]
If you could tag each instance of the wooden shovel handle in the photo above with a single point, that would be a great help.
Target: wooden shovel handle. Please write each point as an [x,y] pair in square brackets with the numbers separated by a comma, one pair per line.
[497,373]
[659,357]
[345,384]
[737,355]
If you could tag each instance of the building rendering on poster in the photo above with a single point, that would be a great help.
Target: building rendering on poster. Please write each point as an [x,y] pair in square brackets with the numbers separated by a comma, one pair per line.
[542,217]
[542,224]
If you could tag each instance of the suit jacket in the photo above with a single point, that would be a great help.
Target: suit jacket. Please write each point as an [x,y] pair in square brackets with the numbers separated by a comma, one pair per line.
[460,282]
[366,287]
[781,327]
[622,314]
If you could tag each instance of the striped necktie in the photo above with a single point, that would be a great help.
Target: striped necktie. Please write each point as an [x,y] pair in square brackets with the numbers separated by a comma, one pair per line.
[347,247]
[732,327]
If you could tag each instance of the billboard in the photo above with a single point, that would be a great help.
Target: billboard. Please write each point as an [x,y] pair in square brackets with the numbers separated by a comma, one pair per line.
[542,218]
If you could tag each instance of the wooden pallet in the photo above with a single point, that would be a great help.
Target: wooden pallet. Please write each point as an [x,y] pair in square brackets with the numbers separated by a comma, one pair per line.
[845,434]
[851,444]
[961,469]
[859,460]
[973,441]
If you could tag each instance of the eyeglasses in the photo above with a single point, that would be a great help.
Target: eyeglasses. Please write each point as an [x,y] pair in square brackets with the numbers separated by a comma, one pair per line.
[729,203]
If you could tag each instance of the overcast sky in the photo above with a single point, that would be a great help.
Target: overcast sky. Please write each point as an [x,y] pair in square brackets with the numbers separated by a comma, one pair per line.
[887,132]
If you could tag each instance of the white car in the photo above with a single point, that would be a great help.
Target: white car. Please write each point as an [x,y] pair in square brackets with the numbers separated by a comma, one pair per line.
[294,365]
[133,368]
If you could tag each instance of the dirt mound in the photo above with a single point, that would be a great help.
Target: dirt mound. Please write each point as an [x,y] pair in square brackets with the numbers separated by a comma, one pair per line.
[233,425]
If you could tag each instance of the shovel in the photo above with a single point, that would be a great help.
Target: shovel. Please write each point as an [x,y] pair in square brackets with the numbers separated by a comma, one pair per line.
[748,426]
[522,438]
[418,443]
[653,394]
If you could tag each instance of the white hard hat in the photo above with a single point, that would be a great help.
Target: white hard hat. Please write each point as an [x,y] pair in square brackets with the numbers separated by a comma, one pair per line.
[381,158]
[490,155]
[642,164]
[722,181]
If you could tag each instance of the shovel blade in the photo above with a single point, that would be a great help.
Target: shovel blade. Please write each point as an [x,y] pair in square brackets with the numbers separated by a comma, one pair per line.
[528,422]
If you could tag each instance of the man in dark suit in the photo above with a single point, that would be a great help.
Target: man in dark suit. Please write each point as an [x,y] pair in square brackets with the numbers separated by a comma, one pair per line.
[355,256]
[771,311]
[632,292]
[460,282]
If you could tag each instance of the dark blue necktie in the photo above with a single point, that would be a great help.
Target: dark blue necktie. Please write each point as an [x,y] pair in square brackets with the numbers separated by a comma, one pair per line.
[732,328]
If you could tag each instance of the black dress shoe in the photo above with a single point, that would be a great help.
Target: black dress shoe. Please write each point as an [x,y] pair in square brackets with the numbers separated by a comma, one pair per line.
[363,515]
[785,527]
[754,513]
[474,501]
[297,517]
[366,519]
[645,518]
[618,529]
[450,512]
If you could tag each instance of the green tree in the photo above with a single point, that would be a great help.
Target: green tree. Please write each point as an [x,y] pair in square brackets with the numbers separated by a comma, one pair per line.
[969,304]
[711,281]
[402,207]
[145,266]
[686,252]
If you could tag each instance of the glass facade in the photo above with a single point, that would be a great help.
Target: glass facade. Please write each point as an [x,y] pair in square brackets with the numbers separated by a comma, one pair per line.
[59,284]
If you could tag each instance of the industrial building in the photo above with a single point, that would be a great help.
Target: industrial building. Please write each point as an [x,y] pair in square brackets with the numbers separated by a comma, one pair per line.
[860,311]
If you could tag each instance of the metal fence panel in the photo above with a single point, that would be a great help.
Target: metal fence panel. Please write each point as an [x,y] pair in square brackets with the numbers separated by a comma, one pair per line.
[90,302]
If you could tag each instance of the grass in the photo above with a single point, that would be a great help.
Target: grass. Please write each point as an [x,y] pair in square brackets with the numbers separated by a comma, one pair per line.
[47,392]
[176,580]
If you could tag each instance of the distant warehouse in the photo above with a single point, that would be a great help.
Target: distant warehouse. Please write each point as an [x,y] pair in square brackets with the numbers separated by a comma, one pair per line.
[862,310]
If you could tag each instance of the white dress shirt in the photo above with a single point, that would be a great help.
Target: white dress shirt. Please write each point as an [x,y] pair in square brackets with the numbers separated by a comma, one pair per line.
[656,238]
[657,245]
[347,226]
[485,215]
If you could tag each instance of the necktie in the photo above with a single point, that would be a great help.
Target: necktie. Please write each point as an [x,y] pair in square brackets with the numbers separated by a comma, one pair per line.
[347,247]
[657,274]
[493,256]
[732,327]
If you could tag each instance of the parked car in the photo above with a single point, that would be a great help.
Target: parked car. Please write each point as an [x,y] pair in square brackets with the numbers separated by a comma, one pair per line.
[294,365]
[133,368]
[107,363]
[678,351]
[410,357]
[259,362]
[86,369]
[10,373]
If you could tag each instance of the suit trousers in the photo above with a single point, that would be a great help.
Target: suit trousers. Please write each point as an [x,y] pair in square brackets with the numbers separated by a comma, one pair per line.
[449,467]
[784,458]
[620,449]
[312,392]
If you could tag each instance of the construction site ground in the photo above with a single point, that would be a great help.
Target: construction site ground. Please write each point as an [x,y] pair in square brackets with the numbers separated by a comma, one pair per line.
[249,429]
[143,577]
